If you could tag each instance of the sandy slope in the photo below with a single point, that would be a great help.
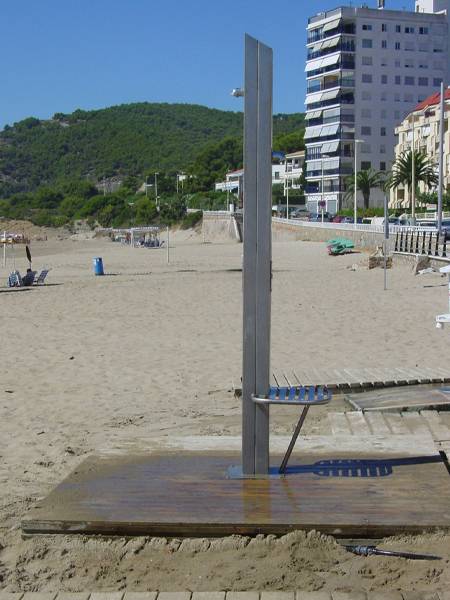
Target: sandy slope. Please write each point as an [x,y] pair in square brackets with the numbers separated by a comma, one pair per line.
[155,349]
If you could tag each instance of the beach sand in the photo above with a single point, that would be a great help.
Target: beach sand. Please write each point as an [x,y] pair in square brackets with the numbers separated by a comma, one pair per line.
[92,363]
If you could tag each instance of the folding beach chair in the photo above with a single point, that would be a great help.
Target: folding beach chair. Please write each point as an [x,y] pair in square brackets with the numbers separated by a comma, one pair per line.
[306,396]
[43,274]
[15,280]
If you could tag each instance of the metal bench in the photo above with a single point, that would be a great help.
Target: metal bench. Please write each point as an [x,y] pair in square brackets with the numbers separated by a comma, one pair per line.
[306,396]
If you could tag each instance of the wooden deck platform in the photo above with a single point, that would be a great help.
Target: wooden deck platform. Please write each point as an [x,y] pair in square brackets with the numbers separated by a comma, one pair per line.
[177,493]
[359,379]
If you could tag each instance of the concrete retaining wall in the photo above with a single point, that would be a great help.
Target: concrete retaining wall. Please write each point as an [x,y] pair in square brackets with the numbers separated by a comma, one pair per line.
[220,227]
[362,239]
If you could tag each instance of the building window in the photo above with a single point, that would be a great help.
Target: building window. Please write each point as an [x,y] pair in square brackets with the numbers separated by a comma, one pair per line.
[438,65]
[366,149]
[382,149]
[397,64]
[367,60]
[409,64]
[366,43]
[398,28]
[382,166]
[383,97]
[423,30]
[383,27]
[366,113]
[367,27]
[383,113]
[397,115]
[437,82]
[366,95]
[408,97]
[384,79]
[437,50]
[409,47]
[409,80]
[366,165]
[366,78]
[409,29]
[365,130]
[397,98]
[384,43]
[424,48]
[398,80]
[383,131]
[423,66]
[423,81]
[397,45]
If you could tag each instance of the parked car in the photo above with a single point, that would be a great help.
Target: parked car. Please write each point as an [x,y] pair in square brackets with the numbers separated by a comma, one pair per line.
[337,219]
[317,217]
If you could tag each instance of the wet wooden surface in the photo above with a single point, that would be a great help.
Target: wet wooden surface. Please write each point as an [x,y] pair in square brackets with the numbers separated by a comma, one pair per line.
[189,494]
[403,398]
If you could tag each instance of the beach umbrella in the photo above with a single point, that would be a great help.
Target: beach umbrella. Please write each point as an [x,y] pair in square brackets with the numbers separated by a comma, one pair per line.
[28,254]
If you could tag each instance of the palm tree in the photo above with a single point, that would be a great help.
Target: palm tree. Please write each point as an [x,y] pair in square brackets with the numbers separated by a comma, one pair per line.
[365,181]
[402,171]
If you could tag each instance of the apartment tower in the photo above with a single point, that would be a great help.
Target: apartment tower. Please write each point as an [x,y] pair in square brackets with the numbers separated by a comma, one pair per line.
[366,69]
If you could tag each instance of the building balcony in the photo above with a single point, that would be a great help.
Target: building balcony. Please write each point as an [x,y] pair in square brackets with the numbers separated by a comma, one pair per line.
[320,52]
[329,30]
[319,86]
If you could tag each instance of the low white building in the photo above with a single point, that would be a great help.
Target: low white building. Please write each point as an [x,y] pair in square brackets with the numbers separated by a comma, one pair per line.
[420,129]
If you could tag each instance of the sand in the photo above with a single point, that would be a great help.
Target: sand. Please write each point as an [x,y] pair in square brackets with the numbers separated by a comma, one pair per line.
[152,349]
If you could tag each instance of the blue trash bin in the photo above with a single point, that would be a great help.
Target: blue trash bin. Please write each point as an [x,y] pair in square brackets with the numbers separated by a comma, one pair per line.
[98,266]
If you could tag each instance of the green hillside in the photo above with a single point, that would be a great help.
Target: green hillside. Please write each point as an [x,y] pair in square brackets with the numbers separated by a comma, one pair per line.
[126,140]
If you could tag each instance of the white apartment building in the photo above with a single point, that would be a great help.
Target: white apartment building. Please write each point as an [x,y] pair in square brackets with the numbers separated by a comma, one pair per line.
[420,130]
[366,69]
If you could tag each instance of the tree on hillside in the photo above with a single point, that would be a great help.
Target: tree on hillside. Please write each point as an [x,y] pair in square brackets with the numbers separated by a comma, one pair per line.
[214,161]
[401,174]
[366,180]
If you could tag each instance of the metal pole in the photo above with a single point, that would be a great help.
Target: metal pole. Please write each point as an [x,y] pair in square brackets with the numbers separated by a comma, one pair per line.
[441,158]
[386,238]
[321,189]
[156,189]
[4,249]
[257,264]
[413,176]
[146,186]
[287,199]
[355,199]
[168,245]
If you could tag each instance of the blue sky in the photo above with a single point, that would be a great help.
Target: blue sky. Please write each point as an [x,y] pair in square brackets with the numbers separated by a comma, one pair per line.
[59,55]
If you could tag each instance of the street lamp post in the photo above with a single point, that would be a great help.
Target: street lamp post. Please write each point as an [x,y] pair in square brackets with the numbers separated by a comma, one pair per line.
[355,191]
[323,156]
[146,185]
[156,189]
[413,175]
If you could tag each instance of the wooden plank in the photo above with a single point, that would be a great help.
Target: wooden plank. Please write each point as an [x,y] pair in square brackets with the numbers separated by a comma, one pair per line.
[399,398]
[174,596]
[207,596]
[385,595]
[350,494]
[10,595]
[416,424]
[377,423]
[358,423]
[321,595]
[106,596]
[79,596]
[339,424]
[39,596]
[438,429]
[396,423]
[348,595]
[278,595]
[242,596]
[139,596]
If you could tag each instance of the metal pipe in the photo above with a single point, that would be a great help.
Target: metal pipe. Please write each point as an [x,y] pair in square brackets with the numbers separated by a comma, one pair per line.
[441,158]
